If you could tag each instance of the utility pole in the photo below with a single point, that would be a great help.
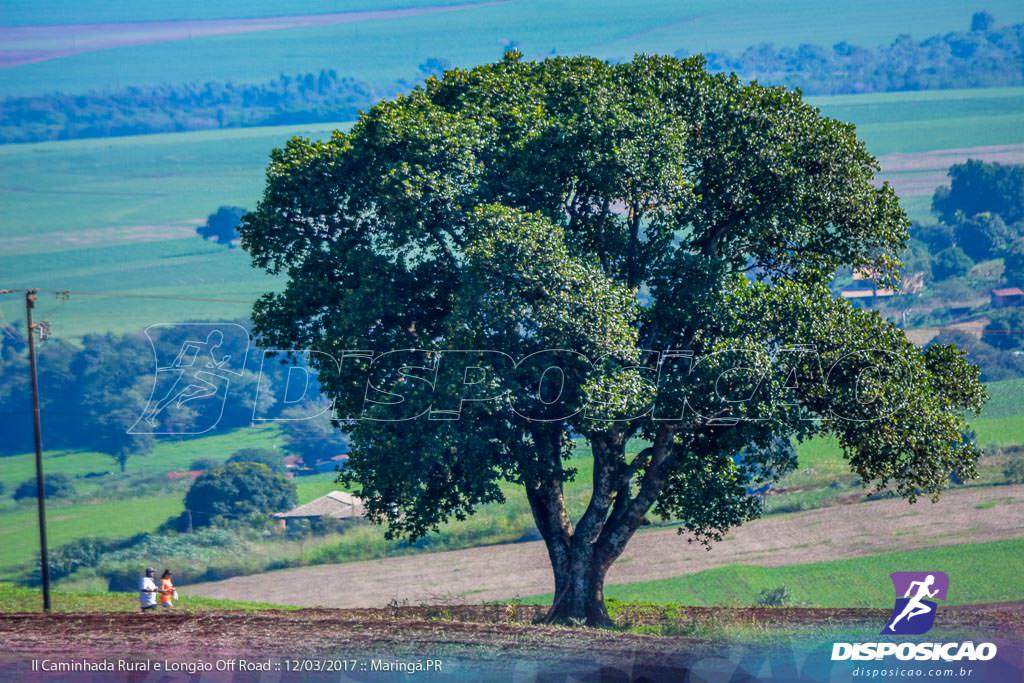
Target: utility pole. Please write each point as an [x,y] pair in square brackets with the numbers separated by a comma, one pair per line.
[30,302]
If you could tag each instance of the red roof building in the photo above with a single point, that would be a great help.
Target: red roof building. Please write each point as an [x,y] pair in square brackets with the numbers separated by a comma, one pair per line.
[1007,296]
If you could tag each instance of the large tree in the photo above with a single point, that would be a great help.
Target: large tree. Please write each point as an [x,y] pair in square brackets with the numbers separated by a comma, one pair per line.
[238,490]
[671,231]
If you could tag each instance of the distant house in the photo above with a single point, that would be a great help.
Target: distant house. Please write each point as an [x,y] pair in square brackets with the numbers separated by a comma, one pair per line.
[335,505]
[867,293]
[866,290]
[1007,296]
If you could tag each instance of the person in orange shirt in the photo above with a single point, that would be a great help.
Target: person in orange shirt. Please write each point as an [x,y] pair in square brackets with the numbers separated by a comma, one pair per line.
[167,591]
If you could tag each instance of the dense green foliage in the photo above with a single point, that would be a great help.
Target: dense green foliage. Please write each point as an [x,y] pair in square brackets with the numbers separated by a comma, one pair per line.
[982,57]
[980,220]
[978,187]
[981,212]
[951,262]
[120,561]
[602,209]
[203,464]
[1013,263]
[264,456]
[100,390]
[238,490]
[984,235]
[1006,329]
[308,431]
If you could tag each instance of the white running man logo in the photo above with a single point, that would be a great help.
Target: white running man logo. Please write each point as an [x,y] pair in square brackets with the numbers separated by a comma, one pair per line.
[915,607]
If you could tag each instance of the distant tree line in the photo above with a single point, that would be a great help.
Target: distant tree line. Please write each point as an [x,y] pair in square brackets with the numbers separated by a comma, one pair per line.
[298,99]
[985,56]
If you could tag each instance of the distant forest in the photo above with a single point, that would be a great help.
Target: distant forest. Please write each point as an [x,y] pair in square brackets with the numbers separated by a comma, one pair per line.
[304,98]
[984,56]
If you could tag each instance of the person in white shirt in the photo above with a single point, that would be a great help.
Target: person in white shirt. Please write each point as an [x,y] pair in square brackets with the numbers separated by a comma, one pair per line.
[148,590]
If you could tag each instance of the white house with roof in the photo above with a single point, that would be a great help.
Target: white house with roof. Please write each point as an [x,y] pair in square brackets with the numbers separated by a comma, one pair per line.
[335,505]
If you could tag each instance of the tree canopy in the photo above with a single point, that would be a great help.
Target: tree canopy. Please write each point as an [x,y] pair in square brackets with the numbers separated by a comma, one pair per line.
[981,187]
[238,490]
[527,253]
[264,456]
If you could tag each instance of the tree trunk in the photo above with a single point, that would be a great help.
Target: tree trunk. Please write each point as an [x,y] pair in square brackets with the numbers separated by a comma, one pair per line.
[580,557]
[579,593]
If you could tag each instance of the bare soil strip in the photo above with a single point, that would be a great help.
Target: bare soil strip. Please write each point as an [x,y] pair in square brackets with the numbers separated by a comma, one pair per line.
[521,569]
[476,631]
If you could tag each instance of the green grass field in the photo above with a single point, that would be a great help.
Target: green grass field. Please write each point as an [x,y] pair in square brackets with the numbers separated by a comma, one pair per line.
[978,573]
[158,180]
[112,216]
[114,519]
[90,514]
[18,599]
[166,456]
[386,49]
[907,122]
[1005,399]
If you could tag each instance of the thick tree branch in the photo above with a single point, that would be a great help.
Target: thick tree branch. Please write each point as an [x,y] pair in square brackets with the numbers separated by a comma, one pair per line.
[709,246]
[608,450]
[628,512]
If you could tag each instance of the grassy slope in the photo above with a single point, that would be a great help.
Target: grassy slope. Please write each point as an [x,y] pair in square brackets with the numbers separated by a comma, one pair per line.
[117,518]
[138,180]
[18,599]
[154,181]
[978,573]
[167,456]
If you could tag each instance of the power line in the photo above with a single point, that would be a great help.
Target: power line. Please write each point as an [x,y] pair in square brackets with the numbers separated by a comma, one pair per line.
[64,293]
[167,297]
